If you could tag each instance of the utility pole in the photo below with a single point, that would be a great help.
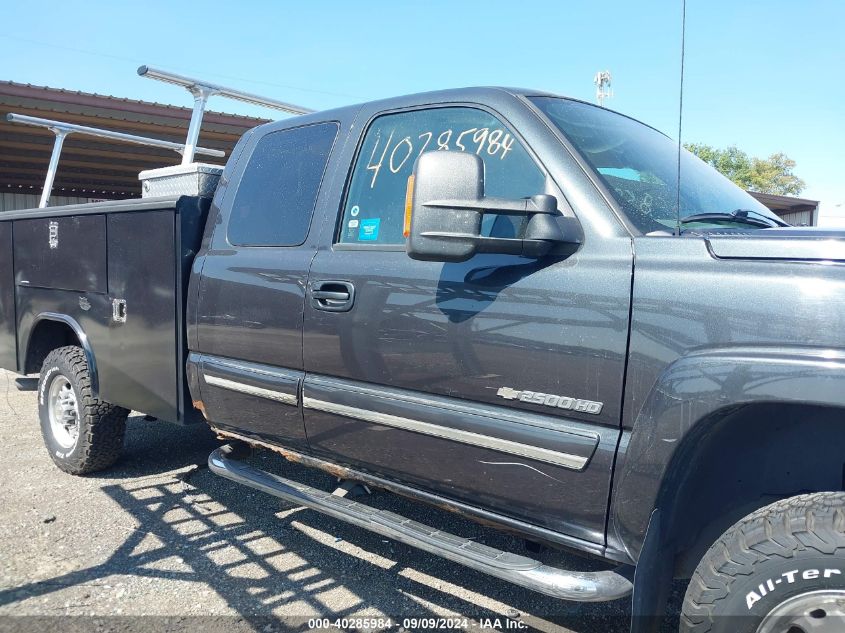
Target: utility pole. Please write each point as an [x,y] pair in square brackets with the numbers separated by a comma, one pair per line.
[603,87]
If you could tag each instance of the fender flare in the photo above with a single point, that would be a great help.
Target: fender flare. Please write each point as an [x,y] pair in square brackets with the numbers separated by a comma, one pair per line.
[695,391]
[80,335]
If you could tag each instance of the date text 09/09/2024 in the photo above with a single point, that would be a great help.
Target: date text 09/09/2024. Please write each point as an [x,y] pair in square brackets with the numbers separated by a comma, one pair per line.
[413,623]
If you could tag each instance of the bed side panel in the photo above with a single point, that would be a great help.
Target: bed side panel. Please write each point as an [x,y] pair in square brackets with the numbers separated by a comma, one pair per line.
[8,345]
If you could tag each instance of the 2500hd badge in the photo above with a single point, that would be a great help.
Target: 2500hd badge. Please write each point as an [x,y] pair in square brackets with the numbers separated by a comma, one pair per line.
[551,400]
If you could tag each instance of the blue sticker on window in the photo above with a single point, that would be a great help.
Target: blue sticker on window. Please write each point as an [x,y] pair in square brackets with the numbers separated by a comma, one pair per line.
[369,229]
[625,173]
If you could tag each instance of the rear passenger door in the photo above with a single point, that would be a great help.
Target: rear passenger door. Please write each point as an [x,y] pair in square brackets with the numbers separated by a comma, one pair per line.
[252,288]
[414,370]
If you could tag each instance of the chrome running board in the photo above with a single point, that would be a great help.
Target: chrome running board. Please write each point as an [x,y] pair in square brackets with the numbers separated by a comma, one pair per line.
[580,586]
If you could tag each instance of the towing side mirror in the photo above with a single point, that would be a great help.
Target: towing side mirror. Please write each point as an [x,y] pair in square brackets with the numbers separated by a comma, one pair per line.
[446,203]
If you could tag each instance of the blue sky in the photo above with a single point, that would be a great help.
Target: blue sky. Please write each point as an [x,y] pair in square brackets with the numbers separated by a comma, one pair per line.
[766,76]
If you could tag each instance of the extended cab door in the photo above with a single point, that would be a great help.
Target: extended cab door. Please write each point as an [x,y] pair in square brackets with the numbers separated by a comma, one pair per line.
[496,381]
[247,352]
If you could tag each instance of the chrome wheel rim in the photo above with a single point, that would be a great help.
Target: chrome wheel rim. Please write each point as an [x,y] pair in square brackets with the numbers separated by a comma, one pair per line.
[63,409]
[812,612]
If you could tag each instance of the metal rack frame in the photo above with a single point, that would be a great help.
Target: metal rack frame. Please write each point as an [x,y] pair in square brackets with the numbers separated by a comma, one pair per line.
[201,91]
[62,130]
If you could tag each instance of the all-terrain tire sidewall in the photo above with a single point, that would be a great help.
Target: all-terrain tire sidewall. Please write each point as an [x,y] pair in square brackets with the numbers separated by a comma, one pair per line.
[789,548]
[102,425]
[54,369]
[776,583]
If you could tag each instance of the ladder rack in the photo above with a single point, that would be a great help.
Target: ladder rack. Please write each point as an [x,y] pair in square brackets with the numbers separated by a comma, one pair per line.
[62,130]
[201,91]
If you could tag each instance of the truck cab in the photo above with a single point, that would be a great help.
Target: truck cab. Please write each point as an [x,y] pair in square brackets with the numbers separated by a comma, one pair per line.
[414,369]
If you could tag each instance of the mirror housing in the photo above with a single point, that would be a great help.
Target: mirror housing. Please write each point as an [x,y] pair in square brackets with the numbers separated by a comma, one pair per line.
[447,203]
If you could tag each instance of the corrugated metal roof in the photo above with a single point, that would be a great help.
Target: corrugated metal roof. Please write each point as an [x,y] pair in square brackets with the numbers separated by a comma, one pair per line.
[796,211]
[92,166]
[785,203]
[126,103]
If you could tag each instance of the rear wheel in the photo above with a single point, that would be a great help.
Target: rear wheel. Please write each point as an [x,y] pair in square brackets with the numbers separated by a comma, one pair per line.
[82,433]
[781,569]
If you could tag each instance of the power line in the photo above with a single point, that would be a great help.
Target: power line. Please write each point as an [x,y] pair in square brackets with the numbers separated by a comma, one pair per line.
[137,61]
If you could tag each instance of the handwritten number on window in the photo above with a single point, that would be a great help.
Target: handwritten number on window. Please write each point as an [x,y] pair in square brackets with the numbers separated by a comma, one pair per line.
[494,143]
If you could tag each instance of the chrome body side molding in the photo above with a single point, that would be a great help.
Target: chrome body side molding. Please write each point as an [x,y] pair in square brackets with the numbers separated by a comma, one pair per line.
[254,398]
[251,390]
[254,379]
[536,453]
[537,437]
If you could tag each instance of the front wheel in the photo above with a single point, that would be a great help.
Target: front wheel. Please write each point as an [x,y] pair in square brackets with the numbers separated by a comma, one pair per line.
[781,569]
[82,433]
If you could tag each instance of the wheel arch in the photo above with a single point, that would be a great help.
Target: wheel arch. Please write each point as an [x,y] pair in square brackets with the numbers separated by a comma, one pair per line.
[743,459]
[51,330]
[774,404]
[717,399]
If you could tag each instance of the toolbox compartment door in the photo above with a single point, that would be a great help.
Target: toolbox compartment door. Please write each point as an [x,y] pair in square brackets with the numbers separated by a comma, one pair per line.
[62,252]
[139,368]
[149,259]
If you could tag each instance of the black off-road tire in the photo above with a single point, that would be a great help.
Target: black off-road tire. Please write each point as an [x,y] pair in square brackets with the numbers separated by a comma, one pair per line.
[101,425]
[778,553]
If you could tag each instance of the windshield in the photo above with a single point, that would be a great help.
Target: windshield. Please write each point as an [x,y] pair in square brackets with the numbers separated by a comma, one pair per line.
[639,166]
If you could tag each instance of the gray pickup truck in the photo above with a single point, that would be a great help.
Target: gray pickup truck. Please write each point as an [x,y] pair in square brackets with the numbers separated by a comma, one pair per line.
[497,301]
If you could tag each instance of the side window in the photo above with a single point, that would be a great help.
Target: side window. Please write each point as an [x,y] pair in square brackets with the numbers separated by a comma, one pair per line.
[278,190]
[375,203]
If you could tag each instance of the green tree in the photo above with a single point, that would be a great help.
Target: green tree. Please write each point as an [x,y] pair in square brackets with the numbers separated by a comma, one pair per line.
[766,175]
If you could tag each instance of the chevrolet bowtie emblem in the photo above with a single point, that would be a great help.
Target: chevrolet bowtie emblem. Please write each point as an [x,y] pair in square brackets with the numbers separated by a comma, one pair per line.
[507,393]
[551,400]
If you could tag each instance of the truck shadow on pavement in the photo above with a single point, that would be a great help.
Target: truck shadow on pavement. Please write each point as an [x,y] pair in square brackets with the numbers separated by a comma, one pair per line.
[268,559]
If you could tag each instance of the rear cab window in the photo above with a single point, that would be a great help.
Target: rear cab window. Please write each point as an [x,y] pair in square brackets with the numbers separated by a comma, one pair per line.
[275,199]
[374,205]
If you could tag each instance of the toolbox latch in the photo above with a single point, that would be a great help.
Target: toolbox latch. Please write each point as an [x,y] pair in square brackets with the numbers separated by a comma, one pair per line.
[118,310]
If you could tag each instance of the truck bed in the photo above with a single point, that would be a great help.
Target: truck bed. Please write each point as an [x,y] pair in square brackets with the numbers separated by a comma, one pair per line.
[71,266]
